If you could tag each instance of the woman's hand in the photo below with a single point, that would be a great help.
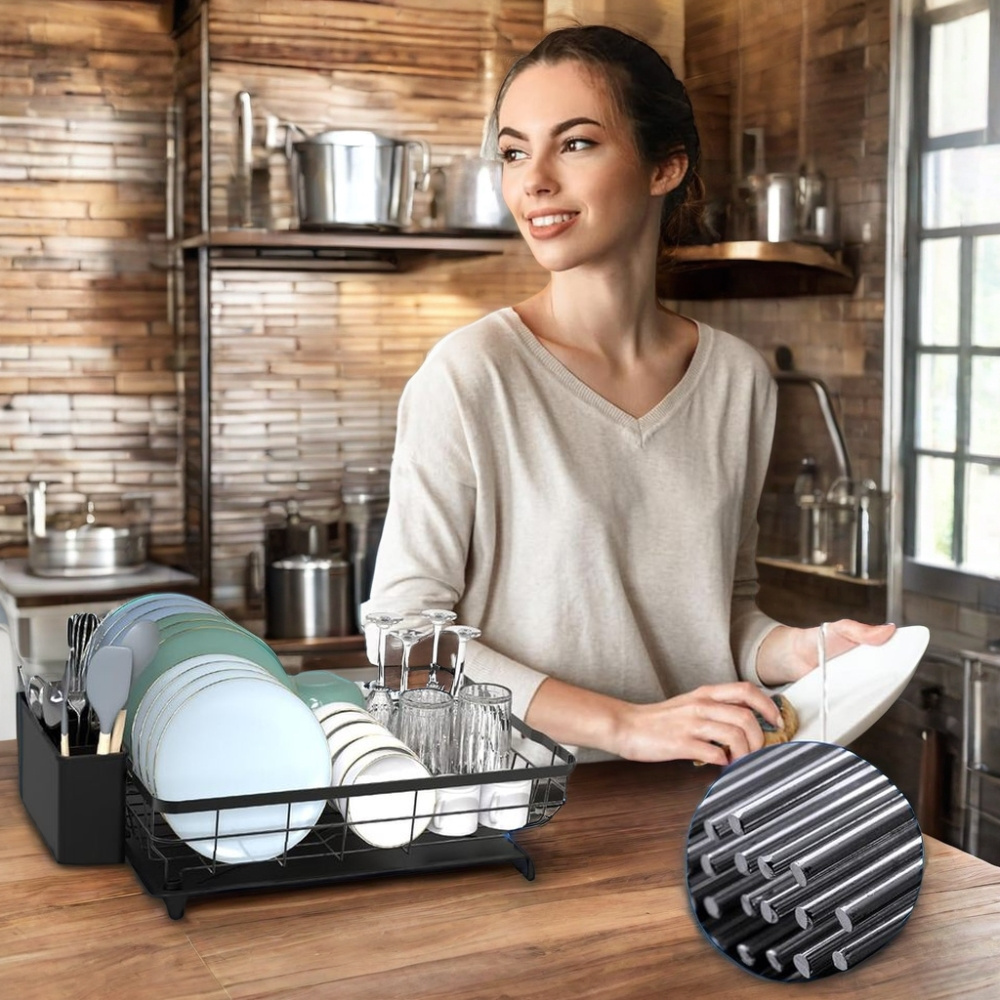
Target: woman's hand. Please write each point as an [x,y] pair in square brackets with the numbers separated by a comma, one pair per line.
[699,725]
[713,724]
[786,654]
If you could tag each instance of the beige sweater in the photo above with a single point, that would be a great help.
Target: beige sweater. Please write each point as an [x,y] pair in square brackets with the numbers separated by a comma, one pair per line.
[614,553]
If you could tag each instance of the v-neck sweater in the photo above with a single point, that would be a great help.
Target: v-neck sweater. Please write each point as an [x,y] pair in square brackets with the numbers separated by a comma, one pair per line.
[613,552]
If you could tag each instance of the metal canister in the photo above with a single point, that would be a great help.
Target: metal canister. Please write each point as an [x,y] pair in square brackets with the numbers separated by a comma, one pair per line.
[307,597]
[365,496]
[776,208]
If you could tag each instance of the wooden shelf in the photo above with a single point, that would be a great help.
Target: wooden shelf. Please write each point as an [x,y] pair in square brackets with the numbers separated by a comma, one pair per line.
[829,572]
[753,269]
[341,249]
[324,644]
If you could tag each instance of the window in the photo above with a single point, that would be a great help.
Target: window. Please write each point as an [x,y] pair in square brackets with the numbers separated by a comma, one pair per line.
[952,409]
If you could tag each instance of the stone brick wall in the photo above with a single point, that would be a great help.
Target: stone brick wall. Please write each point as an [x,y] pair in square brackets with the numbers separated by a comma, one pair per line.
[87,397]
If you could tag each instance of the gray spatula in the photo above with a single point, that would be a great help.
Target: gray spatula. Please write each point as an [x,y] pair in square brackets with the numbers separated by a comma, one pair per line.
[109,678]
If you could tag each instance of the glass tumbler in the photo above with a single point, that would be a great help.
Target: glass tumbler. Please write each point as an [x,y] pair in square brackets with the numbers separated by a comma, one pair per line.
[482,720]
[424,723]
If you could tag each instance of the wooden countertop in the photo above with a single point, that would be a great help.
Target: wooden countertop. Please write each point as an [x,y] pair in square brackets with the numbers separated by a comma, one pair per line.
[607,916]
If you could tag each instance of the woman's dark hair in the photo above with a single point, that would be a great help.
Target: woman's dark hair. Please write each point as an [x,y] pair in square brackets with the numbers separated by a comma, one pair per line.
[652,100]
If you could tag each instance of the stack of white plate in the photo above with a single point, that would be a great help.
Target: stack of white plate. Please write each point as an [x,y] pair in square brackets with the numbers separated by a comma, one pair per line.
[362,751]
[213,714]
[213,726]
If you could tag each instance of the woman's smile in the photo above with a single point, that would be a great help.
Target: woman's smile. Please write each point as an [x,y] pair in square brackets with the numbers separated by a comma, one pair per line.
[545,226]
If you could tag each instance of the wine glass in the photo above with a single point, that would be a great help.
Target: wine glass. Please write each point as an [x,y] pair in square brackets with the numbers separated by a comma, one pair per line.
[409,637]
[438,617]
[379,701]
[464,634]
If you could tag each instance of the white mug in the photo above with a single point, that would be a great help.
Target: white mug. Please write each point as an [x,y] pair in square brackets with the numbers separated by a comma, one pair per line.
[503,805]
[456,813]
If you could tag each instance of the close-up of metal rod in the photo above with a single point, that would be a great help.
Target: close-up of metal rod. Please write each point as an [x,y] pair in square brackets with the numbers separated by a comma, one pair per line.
[784,900]
[743,777]
[754,812]
[843,793]
[778,859]
[809,869]
[911,850]
[842,845]
[874,897]
[874,934]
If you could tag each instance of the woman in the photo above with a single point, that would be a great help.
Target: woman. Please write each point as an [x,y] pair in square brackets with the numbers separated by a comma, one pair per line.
[579,475]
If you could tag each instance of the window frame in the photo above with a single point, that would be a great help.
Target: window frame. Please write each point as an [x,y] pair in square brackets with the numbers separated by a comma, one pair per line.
[952,582]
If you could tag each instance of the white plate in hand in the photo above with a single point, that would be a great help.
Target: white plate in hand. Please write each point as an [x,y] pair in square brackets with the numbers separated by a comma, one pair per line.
[861,684]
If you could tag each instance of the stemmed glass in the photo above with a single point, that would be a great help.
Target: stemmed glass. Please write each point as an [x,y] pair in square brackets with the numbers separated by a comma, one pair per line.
[379,701]
[464,634]
[409,637]
[438,617]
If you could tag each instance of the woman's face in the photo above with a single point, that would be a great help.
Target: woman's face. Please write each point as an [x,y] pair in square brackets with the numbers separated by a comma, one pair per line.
[572,177]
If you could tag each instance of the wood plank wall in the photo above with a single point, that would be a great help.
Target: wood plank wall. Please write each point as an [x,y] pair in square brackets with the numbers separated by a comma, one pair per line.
[87,397]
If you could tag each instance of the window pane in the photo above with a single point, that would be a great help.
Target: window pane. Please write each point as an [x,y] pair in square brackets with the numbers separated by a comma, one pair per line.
[935,500]
[986,292]
[939,292]
[982,526]
[959,75]
[984,423]
[959,187]
[937,382]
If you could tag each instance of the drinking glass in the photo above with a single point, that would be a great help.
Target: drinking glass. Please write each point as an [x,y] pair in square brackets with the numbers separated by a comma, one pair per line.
[482,721]
[408,637]
[438,617]
[379,701]
[464,633]
[424,723]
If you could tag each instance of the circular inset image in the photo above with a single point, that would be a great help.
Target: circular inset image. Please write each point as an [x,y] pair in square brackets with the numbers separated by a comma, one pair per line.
[803,860]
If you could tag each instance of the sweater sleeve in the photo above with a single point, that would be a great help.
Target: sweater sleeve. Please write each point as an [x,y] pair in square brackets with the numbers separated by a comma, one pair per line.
[749,626]
[426,540]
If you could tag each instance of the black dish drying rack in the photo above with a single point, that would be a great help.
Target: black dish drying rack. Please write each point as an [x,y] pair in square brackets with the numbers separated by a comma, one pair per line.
[169,869]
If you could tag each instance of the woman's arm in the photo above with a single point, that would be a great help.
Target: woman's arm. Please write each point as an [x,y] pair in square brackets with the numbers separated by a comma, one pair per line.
[698,725]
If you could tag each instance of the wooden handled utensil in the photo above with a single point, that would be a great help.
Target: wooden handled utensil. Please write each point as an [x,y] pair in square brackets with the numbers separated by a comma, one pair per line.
[109,679]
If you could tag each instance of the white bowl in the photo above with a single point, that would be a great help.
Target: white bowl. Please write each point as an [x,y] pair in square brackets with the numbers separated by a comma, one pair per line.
[339,737]
[362,747]
[390,819]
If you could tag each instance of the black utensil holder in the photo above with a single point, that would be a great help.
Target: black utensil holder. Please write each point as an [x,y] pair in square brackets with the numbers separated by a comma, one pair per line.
[77,803]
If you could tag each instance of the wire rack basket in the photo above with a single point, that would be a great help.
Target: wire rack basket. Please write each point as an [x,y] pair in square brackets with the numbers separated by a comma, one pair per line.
[329,850]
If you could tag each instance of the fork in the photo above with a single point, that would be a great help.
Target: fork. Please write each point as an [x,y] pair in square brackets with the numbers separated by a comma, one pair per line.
[75,693]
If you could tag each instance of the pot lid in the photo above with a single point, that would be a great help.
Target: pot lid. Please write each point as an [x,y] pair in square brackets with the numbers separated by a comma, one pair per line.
[348,137]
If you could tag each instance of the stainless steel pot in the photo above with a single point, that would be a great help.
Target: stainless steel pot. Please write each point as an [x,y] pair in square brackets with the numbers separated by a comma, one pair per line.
[307,597]
[85,543]
[356,178]
[467,195]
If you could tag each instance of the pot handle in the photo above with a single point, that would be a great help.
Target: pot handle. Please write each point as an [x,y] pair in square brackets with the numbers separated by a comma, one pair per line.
[423,177]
